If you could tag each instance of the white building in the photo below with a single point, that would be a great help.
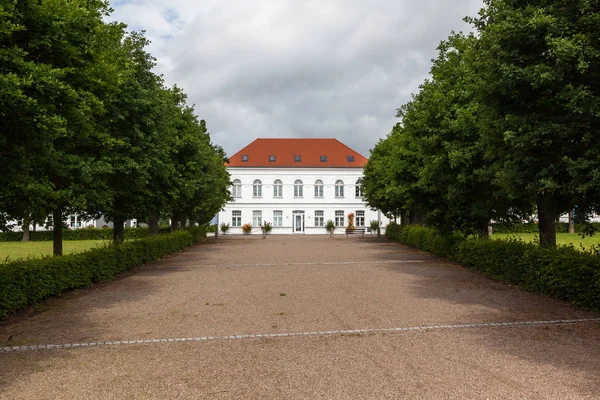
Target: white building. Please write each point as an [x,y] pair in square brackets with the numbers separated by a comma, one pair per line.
[297,185]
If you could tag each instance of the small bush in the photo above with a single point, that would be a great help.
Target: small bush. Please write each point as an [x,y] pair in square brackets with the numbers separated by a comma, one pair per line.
[198,233]
[563,272]
[27,282]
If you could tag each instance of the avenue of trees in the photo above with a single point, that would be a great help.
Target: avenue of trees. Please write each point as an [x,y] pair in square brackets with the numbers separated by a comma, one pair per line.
[506,126]
[87,127]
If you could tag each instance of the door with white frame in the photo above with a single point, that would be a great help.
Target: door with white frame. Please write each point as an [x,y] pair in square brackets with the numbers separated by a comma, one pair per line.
[297,221]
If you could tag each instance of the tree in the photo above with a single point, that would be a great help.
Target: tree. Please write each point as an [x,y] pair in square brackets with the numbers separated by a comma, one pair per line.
[51,68]
[538,65]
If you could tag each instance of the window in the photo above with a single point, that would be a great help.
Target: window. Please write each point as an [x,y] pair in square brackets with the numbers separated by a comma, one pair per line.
[297,158]
[245,158]
[360,218]
[257,188]
[277,188]
[277,218]
[257,218]
[339,188]
[237,188]
[72,221]
[339,218]
[271,158]
[236,219]
[319,188]
[350,158]
[358,190]
[319,220]
[323,158]
[298,188]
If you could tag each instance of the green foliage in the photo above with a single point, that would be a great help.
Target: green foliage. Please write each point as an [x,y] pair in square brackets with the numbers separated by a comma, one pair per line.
[329,225]
[507,122]
[27,282]
[88,127]
[266,227]
[198,233]
[424,238]
[224,227]
[374,225]
[563,273]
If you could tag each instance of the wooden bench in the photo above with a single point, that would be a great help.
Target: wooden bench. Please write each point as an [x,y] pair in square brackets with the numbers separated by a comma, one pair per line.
[355,230]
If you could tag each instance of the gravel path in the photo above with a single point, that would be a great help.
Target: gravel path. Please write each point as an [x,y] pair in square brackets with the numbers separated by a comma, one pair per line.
[301,317]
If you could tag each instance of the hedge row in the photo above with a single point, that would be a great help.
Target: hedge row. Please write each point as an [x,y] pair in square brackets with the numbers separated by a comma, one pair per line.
[79,234]
[563,272]
[27,282]
[531,227]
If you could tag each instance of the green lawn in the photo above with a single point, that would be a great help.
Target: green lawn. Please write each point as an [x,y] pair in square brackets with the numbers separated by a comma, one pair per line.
[15,250]
[561,238]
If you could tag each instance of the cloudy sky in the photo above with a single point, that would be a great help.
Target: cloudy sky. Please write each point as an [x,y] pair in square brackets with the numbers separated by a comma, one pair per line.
[303,68]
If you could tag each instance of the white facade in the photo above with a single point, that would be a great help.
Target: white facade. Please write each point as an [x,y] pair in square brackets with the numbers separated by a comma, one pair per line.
[294,208]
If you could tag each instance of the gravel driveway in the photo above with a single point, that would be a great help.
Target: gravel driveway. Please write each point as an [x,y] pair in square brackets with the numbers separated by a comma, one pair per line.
[301,317]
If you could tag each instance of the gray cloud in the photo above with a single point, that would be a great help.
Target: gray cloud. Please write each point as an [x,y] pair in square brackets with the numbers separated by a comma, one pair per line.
[296,68]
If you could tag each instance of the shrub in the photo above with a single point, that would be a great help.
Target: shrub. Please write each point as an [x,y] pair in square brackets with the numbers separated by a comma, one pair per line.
[266,227]
[224,227]
[329,225]
[25,282]
[563,272]
[198,233]
[424,238]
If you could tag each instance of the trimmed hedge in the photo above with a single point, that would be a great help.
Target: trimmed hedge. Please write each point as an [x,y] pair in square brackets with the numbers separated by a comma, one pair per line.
[423,238]
[563,272]
[27,282]
[79,234]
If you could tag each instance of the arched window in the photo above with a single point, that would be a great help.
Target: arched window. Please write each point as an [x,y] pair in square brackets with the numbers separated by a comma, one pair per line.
[298,188]
[257,188]
[236,190]
[277,188]
[319,188]
[358,189]
[339,188]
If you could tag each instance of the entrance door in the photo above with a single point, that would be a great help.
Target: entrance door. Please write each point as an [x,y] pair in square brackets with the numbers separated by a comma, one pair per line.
[298,220]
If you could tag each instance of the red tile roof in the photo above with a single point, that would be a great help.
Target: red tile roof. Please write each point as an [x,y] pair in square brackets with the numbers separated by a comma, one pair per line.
[285,150]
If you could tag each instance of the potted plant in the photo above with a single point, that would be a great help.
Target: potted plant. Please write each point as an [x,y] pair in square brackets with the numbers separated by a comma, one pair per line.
[247,228]
[330,227]
[266,228]
[224,227]
[375,227]
[351,221]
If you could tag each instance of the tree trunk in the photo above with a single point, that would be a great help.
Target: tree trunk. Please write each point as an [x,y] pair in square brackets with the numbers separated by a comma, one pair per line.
[403,218]
[547,223]
[119,230]
[183,220]
[571,222]
[483,228]
[57,232]
[153,223]
[26,229]
[174,222]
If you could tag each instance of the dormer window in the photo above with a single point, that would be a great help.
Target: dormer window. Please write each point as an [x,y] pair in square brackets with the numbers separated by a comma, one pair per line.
[323,158]
[297,158]
[350,158]
[271,158]
[244,158]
